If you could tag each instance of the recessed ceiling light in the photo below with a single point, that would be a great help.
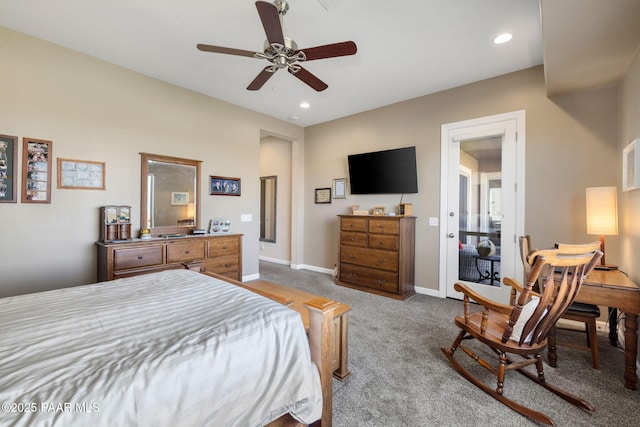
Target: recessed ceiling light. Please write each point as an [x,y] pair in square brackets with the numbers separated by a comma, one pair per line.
[304,105]
[503,38]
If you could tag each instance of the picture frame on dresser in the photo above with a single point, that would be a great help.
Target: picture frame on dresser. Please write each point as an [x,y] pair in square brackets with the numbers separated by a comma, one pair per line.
[8,165]
[36,170]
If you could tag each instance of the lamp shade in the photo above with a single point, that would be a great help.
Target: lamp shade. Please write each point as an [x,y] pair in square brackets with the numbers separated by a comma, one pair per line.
[602,211]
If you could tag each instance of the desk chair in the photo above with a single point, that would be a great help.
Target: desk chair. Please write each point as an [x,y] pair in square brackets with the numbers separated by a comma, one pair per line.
[577,311]
[522,329]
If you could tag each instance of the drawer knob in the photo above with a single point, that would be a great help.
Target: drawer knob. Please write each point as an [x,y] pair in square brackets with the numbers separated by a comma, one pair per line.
[381,243]
[381,226]
[352,256]
[352,239]
[352,275]
[228,265]
[224,247]
[382,260]
[187,252]
[381,281]
[140,257]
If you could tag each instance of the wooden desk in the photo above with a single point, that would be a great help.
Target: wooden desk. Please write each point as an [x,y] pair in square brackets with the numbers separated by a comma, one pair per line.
[614,289]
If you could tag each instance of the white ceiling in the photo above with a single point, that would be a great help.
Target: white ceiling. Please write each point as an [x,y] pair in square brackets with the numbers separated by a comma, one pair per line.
[406,48]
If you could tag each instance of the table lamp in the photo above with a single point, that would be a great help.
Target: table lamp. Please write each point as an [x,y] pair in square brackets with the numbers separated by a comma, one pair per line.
[602,217]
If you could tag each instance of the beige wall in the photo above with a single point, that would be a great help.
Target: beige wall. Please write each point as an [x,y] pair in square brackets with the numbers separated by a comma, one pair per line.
[571,144]
[275,159]
[92,110]
[629,202]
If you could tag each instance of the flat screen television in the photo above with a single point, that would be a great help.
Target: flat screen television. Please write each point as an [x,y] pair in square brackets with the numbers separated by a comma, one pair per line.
[384,172]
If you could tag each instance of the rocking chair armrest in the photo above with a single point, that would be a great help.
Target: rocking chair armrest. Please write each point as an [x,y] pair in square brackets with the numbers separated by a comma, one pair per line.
[517,288]
[490,304]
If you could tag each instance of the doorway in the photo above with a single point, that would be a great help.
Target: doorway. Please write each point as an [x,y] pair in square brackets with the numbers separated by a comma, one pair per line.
[482,204]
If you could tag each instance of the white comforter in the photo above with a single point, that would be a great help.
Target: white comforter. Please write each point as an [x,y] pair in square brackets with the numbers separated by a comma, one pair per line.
[174,348]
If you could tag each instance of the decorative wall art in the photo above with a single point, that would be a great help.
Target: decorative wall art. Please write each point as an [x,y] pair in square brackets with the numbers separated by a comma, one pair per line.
[179,198]
[323,195]
[8,164]
[340,188]
[36,170]
[80,174]
[224,186]
[630,165]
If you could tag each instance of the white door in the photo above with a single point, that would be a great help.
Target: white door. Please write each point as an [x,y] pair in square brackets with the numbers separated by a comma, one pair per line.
[482,204]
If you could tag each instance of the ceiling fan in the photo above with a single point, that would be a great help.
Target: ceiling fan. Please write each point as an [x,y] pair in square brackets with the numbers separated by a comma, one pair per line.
[283,52]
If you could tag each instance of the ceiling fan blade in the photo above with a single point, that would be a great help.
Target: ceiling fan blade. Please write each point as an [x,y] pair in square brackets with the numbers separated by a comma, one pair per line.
[226,50]
[330,50]
[270,21]
[261,79]
[308,78]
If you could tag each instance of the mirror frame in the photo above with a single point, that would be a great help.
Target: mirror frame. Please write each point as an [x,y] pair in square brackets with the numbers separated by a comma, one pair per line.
[275,206]
[144,171]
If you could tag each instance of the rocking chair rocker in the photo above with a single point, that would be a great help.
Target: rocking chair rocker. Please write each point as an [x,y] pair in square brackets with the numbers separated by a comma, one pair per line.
[522,329]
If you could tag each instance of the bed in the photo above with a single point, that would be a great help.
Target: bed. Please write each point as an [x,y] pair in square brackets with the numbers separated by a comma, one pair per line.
[164,349]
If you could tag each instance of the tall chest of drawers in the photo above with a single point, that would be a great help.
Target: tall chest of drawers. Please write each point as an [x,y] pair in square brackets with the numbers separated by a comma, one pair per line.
[221,254]
[377,254]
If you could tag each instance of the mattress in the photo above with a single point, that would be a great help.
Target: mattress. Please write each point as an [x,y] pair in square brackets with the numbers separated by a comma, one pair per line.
[173,348]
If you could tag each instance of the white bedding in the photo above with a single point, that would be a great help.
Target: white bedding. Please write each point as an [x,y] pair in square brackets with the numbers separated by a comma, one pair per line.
[175,348]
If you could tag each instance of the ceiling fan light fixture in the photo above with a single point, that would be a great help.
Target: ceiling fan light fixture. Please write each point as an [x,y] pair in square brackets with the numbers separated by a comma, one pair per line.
[503,38]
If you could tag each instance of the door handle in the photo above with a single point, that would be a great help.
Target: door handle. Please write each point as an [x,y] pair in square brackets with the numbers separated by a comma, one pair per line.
[451,235]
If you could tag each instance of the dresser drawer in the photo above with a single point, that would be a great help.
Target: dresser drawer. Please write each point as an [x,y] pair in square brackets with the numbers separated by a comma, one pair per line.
[353,239]
[223,247]
[222,265]
[137,257]
[382,280]
[376,258]
[384,226]
[178,252]
[389,242]
[353,224]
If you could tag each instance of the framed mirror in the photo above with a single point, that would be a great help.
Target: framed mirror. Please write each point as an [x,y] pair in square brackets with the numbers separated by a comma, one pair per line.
[170,194]
[268,186]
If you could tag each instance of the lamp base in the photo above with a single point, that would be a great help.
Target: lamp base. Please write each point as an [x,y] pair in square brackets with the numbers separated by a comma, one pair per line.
[606,267]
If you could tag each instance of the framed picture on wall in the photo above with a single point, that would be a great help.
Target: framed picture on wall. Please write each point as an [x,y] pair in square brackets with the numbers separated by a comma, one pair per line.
[630,164]
[323,195]
[224,186]
[340,188]
[8,164]
[36,170]
[179,198]
[80,174]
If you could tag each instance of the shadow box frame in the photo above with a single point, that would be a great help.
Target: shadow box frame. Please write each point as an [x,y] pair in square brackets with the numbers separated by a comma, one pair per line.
[37,162]
[8,166]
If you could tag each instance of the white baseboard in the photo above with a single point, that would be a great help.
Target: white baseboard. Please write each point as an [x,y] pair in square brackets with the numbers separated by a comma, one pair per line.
[274,260]
[427,291]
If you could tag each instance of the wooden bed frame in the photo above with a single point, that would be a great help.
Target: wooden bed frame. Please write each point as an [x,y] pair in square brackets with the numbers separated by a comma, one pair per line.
[321,342]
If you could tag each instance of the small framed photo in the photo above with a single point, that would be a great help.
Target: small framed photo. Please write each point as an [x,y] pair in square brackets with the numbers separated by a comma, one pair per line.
[630,165]
[179,198]
[378,210]
[323,195]
[340,188]
[224,186]
[8,166]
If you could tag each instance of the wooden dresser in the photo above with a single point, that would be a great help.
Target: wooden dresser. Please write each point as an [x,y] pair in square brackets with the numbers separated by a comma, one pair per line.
[218,254]
[377,254]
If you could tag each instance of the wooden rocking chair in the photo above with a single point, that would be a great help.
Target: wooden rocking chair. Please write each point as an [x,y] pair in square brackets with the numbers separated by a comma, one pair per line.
[522,329]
